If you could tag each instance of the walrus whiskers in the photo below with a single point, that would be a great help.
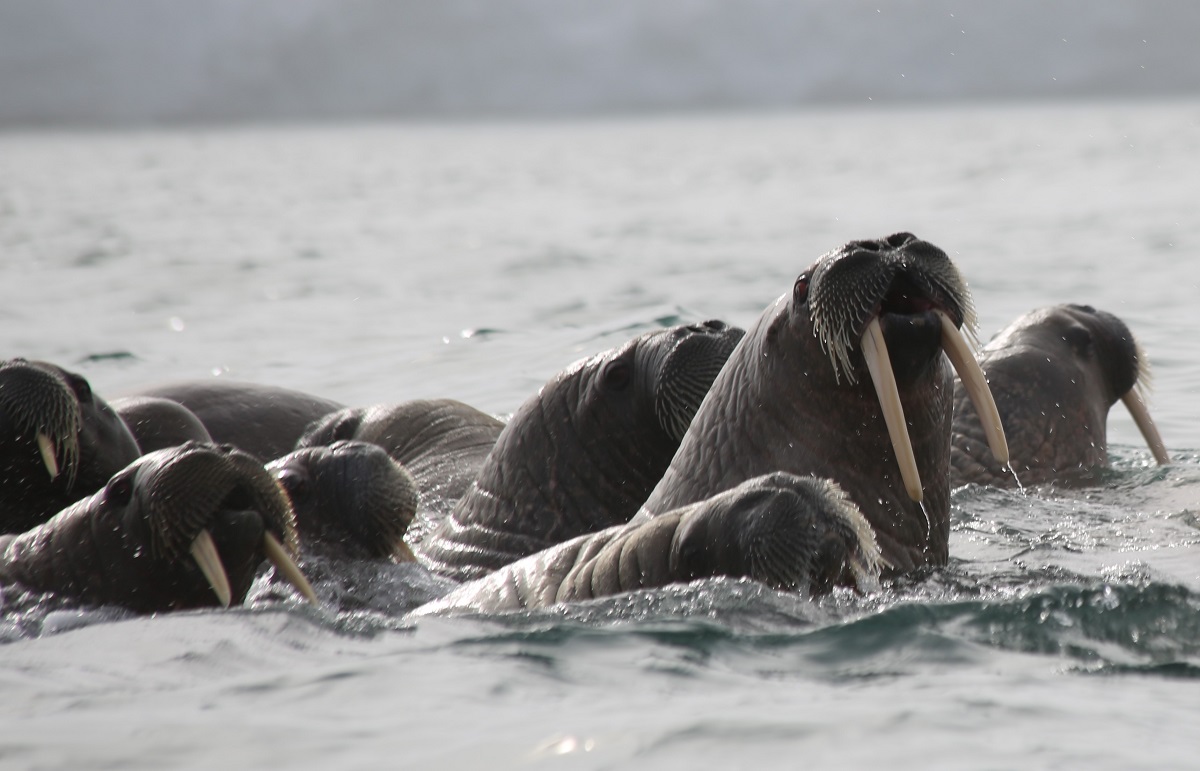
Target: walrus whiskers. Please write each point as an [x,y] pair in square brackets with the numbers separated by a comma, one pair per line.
[866,562]
[204,551]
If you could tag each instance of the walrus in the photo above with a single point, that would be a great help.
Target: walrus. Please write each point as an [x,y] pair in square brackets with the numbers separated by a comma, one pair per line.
[351,500]
[263,420]
[583,452]
[441,443]
[789,532]
[185,527]
[843,379]
[59,442]
[157,423]
[1054,372]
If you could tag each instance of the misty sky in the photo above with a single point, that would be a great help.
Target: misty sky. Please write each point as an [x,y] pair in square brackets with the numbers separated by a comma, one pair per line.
[165,61]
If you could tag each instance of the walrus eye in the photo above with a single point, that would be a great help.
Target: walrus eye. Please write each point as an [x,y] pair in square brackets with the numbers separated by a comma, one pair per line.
[800,290]
[119,490]
[81,387]
[294,484]
[617,375]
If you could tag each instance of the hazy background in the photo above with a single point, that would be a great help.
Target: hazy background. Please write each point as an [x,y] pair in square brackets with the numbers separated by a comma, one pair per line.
[130,62]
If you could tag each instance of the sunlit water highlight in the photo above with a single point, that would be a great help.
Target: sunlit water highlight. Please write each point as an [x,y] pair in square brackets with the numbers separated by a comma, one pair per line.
[472,261]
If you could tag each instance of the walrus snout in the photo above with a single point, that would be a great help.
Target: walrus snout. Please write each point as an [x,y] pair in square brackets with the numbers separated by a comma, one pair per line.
[38,402]
[689,369]
[183,492]
[351,498]
[899,275]
[911,289]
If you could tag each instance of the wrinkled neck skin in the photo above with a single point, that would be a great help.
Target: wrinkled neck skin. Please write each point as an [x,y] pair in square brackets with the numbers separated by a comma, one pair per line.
[555,497]
[80,552]
[776,406]
[1054,413]
[558,470]
[432,438]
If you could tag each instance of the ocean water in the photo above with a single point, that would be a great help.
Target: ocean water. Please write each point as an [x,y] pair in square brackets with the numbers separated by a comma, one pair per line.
[384,262]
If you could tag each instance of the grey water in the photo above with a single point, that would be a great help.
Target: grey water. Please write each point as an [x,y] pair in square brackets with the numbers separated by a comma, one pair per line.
[389,261]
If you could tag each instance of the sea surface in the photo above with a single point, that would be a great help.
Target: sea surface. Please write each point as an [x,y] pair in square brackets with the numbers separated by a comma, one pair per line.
[382,262]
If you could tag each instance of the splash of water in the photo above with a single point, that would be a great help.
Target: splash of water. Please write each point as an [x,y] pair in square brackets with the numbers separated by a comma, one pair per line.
[1020,487]
[928,526]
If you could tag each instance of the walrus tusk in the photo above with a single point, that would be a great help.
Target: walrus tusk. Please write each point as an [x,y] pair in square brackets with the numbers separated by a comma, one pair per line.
[205,553]
[975,383]
[287,568]
[401,552]
[46,448]
[879,364]
[1141,416]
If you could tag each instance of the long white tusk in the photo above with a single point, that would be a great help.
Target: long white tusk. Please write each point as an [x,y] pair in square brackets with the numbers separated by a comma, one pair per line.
[975,383]
[1141,416]
[278,557]
[205,553]
[879,364]
[46,448]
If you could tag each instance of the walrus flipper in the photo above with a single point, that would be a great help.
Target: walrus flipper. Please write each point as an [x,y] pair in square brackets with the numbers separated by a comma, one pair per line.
[792,533]
[179,528]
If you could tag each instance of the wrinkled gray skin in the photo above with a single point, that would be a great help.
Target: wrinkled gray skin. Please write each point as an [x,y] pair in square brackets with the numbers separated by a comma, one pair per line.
[158,423]
[778,406]
[583,453]
[265,421]
[351,500]
[92,443]
[442,443]
[789,532]
[128,544]
[1054,374]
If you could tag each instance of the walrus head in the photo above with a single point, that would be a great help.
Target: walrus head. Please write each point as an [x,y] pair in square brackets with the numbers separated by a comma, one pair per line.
[1055,373]
[59,442]
[598,435]
[844,378]
[350,498]
[217,504]
[583,453]
[187,496]
[178,528]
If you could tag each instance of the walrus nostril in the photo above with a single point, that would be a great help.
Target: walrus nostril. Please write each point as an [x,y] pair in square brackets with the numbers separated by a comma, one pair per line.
[715,325]
[897,240]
